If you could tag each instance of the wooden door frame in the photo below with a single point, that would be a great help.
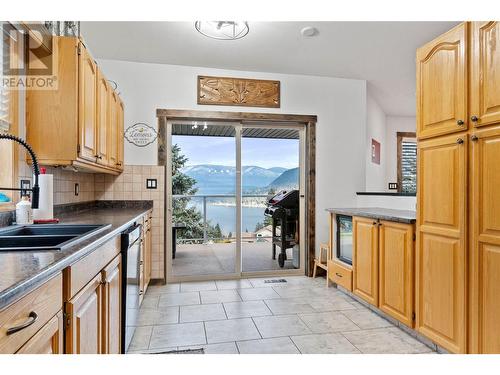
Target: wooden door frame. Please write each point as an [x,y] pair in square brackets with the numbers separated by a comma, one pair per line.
[309,122]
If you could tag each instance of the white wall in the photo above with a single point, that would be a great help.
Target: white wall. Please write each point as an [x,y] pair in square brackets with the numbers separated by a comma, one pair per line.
[393,126]
[340,105]
[394,202]
[375,129]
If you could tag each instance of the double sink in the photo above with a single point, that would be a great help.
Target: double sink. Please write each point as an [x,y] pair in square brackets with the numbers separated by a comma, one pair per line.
[46,237]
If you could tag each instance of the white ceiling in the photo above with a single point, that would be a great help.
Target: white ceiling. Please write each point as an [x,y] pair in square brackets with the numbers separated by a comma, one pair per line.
[383,53]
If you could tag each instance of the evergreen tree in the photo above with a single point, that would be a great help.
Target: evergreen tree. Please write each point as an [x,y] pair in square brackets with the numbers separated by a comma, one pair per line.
[182,184]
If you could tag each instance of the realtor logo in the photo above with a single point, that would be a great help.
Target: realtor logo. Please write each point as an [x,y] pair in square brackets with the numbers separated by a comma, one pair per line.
[140,134]
[28,58]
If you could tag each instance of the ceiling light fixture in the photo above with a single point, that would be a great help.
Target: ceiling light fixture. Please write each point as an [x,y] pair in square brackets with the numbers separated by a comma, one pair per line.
[222,30]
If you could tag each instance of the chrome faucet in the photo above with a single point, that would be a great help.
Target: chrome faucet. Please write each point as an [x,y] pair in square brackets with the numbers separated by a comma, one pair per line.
[35,198]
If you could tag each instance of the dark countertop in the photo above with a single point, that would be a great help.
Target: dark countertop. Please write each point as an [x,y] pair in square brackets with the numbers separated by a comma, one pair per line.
[401,216]
[23,271]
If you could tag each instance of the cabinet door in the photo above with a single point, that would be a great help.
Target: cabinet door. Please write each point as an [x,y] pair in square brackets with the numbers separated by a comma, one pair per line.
[396,258]
[83,335]
[113,129]
[442,84]
[103,119]
[111,307]
[87,105]
[440,254]
[49,340]
[365,259]
[485,73]
[119,133]
[485,250]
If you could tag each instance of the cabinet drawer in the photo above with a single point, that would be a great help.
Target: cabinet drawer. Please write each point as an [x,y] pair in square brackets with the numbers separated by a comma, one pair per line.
[340,274]
[84,270]
[42,304]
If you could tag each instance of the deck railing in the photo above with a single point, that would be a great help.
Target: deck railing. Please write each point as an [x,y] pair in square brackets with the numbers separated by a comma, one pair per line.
[204,198]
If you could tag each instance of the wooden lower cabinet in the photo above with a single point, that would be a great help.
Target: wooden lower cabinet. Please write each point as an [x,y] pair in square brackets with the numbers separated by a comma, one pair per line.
[484,260]
[111,307]
[396,271]
[94,314]
[49,340]
[84,320]
[365,259]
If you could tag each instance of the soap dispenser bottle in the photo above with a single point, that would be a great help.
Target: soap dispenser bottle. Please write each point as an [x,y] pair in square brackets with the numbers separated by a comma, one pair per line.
[24,212]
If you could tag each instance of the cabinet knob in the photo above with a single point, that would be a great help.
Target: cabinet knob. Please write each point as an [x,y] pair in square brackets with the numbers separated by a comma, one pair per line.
[474,119]
[460,141]
[460,122]
[474,138]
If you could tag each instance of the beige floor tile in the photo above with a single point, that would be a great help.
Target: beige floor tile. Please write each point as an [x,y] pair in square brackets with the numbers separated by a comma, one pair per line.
[327,322]
[150,301]
[258,294]
[182,334]
[233,284]
[288,306]
[164,315]
[294,292]
[246,309]
[141,338]
[179,299]
[163,289]
[198,286]
[200,313]
[366,319]
[219,296]
[223,348]
[278,345]
[330,343]
[231,330]
[153,351]
[283,325]
[385,341]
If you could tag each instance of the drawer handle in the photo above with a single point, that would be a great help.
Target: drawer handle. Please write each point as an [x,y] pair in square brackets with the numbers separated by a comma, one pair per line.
[32,318]
[338,274]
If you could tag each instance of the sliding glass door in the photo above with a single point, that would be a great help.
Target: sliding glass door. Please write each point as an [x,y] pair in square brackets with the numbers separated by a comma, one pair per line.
[222,176]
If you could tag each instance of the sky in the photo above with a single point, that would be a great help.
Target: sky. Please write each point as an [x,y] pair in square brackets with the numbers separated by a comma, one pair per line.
[262,152]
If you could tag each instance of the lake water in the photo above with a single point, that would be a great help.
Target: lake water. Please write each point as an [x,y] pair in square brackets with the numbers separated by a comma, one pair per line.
[225,216]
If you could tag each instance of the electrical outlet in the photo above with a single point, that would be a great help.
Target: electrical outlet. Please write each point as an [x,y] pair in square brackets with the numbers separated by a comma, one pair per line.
[393,185]
[77,189]
[25,184]
[151,183]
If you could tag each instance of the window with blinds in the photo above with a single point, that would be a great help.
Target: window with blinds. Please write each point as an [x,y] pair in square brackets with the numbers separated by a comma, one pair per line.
[408,166]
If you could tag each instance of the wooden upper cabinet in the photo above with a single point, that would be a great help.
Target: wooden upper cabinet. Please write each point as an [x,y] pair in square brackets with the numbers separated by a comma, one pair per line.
[49,340]
[365,259]
[396,263]
[441,241]
[84,333]
[103,118]
[113,130]
[111,306]
[485,251]
[120,134]
[442,84]
[87,114]
[485,73]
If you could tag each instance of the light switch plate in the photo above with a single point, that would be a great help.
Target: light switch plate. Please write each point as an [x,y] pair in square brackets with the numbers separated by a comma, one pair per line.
[25,184]
[393,185]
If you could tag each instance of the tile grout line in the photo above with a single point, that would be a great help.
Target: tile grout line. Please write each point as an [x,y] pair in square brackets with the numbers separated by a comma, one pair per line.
[257,328]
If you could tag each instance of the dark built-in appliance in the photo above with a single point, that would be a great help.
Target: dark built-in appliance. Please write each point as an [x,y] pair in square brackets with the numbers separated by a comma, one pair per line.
[344,238]
[131,247]
[283,209]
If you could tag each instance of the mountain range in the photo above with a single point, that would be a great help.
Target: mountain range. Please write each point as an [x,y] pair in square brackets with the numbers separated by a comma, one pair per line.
[221,179]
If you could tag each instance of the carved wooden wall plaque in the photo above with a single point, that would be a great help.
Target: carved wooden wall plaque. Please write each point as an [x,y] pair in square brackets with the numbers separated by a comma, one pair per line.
[238,91]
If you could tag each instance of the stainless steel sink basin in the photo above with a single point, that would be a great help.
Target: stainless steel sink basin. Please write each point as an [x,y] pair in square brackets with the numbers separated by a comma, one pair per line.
[45,237]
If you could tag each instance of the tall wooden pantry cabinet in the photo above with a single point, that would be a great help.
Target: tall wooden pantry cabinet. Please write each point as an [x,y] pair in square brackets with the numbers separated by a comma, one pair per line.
[458,199]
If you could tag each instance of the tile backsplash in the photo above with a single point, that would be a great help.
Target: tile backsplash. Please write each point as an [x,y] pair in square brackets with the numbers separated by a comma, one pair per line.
[131,185]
